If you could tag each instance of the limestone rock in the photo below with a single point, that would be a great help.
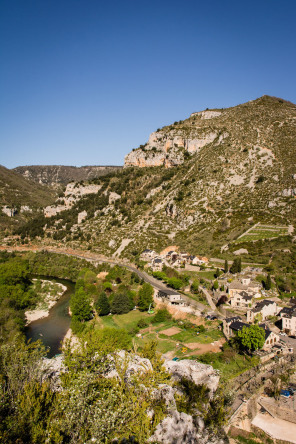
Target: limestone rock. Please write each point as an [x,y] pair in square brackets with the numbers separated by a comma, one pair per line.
[194,371]
[240,251]
[167,394]
[82,216]
[129,363]
[179,428]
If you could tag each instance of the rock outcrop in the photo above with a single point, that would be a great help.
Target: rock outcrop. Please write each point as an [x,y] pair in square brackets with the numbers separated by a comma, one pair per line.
[170,145]
[194,371]
[180,428]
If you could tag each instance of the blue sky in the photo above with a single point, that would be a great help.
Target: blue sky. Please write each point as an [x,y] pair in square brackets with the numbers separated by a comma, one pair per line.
[82,82]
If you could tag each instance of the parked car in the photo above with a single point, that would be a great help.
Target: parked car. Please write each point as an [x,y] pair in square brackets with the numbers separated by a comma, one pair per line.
[285,393]
[283,334]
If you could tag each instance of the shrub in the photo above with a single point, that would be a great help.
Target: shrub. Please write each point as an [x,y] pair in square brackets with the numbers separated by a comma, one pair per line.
[142,323]
[161,316]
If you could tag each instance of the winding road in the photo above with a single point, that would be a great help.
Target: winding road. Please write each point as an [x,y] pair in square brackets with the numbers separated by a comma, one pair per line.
[91,257]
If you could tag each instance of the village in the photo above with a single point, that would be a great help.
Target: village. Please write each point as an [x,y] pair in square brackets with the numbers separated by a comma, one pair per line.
[240,301]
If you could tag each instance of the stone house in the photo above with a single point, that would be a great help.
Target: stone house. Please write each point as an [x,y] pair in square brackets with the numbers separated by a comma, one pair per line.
[241,300]
[232,327]
[246,285]
[157,264]
[262,310]
[288,315]
[148,254]
[226,325]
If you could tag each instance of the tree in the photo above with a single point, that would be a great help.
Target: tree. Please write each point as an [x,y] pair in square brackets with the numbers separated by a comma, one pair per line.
[226,266]
[121,304]
[251,338]
[268,282]
[175,283]
[145,297]
[217,272]
[215,285]
[102,305]
[80,306]
[236,266]
[195,286]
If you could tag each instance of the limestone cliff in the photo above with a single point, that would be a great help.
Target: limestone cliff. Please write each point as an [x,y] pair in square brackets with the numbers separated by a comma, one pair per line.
[170,145]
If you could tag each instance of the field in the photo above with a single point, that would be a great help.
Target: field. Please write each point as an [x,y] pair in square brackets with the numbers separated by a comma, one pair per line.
[175,338]
[260,232]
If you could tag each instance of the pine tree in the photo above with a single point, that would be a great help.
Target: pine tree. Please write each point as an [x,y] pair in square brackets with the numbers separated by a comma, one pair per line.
[121,304]
[80,306]
[102,305]
[226,266]
[268,282]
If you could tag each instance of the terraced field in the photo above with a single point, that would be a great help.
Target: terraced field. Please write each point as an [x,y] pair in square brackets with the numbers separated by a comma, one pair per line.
[260,232]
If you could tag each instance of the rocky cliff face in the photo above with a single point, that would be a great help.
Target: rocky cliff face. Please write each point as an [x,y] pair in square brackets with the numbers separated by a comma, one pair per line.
[172,144]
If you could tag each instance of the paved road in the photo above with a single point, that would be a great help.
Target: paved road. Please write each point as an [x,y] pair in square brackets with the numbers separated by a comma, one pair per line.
[97,258]
[142,274]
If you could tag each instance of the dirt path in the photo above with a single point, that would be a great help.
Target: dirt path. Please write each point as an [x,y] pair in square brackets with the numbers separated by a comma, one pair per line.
[199,349]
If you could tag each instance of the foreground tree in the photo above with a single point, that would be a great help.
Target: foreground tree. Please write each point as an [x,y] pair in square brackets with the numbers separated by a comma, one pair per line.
[251,338]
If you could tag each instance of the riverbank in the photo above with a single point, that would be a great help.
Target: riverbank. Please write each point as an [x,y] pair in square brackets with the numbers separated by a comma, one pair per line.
[42,311]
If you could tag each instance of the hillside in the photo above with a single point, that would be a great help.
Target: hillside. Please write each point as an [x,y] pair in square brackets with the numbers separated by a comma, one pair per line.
[54,175]
[215,193]
[20,198]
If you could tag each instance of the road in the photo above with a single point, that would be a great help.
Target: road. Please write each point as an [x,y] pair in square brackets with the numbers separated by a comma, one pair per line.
[91,257]
[98,258]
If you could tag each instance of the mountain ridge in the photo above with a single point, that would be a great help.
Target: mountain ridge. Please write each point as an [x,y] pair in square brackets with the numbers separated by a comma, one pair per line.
[60,175]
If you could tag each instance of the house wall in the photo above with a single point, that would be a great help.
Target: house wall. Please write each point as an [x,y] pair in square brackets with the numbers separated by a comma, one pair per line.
[271,340]
[289,324]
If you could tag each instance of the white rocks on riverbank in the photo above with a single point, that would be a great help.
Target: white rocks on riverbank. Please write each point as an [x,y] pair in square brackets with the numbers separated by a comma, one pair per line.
[49,301]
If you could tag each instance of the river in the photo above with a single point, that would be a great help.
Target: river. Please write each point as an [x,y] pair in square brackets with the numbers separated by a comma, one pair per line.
[52,329]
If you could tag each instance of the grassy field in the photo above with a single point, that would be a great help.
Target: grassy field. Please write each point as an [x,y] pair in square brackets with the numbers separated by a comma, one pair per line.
[229,368]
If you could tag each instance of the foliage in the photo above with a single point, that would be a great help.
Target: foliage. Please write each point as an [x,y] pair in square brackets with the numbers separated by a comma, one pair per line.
[102,304]
[251,338]
[268,282]
[80,306]
[161,316]
[145,297]
[236,266]
[121,304]
[226,266]
[195,286]
[175,283]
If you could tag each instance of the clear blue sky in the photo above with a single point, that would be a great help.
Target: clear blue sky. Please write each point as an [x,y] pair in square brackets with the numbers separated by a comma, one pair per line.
[82,82]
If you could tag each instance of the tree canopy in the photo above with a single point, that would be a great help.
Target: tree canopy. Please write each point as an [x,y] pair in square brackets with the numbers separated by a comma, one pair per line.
[251,338]
[145,297]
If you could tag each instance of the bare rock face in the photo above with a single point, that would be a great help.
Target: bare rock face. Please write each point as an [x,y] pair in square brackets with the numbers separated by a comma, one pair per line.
[81,216]
[171,210]
[167,394]
[240,251]
[179,428]
[168,147]
[194,371]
